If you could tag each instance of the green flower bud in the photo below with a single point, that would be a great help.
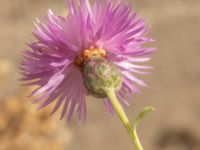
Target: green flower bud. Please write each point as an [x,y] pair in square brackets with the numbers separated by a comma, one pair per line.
[100,74]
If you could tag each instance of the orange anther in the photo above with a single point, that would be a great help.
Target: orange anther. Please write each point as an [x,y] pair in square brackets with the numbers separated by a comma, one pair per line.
[102,52]
[86,54]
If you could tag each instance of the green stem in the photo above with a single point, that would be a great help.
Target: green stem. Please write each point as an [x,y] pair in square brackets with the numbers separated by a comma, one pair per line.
[120,112]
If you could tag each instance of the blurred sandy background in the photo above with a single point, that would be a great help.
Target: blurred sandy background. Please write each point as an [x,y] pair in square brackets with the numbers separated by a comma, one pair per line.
[174,86]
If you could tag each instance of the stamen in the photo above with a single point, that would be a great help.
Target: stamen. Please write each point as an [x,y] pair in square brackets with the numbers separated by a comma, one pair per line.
[88,54]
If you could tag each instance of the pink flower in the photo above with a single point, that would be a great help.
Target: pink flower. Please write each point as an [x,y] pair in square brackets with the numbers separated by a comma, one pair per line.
[55,60]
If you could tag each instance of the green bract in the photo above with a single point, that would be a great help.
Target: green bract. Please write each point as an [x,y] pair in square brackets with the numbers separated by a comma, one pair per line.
[100,74]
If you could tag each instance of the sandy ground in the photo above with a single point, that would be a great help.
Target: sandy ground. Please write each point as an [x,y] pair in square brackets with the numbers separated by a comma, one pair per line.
[174,86]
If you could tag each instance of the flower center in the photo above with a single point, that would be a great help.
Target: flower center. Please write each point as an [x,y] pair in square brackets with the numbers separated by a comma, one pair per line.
[88,54]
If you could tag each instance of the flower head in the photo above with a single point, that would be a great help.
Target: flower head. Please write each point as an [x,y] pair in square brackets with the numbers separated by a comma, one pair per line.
[55,61]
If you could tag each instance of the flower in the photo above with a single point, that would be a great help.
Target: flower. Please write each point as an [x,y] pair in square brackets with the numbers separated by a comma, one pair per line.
[55,61]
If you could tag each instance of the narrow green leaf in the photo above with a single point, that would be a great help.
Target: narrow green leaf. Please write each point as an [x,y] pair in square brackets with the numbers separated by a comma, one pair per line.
[141,115]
